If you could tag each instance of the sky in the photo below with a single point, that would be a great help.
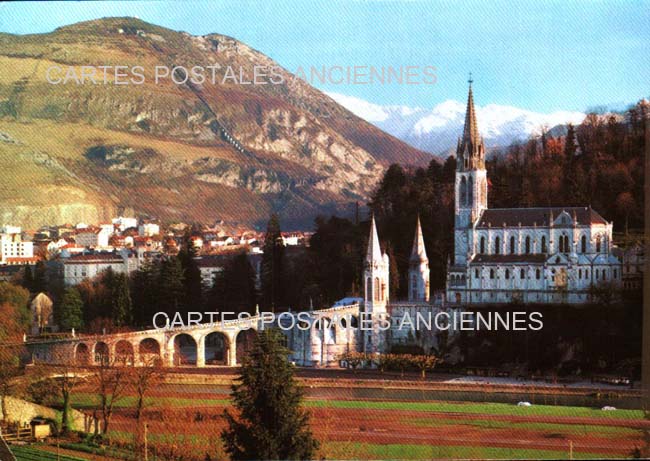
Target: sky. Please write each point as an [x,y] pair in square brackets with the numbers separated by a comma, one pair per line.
[537,55]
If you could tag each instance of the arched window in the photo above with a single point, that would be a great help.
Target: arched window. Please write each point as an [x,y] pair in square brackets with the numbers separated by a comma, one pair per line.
[507,274]
[377,289]
[491,273]
[598,244]
[470,192]
[579,273]
[482,245]
[369,288]
[512,245]
[615,273]
[463,191]
[497,246]
[527,244]
[537,274]
[522,274]
[597,274]
[583,244]
[543,244]
[476,273]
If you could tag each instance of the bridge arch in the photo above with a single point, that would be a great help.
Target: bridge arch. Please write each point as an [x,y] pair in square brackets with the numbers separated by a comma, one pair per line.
[101,353]
[185,349]
[82,354]
[244,342]
[149,352]
[124,353]
[215,348]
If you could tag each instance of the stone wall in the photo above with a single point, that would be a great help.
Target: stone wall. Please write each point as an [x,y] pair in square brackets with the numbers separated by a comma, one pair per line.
[23,412]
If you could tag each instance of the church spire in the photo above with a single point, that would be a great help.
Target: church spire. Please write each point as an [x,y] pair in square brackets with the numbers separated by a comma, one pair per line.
[470,132]
[418,252]
[470,150]
[374,251]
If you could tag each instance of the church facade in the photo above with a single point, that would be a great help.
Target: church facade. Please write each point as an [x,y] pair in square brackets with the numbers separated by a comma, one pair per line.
[529,255]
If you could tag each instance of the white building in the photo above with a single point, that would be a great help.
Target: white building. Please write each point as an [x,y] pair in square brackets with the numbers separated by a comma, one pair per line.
[80,267]
[13,249]
[123,223]
[532,255]
[148,229]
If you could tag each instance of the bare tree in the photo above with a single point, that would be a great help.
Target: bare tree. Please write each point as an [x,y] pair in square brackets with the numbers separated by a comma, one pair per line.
[143,378]
[111,380]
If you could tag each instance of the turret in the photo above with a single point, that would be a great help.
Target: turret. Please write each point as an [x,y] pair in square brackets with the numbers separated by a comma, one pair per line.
[418,268]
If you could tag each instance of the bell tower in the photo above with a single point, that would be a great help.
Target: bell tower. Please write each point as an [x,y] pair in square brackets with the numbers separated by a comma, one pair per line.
[376,275]
[418,268]
[471,180]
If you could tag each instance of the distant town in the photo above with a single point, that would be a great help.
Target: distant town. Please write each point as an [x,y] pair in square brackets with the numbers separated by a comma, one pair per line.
[84,250]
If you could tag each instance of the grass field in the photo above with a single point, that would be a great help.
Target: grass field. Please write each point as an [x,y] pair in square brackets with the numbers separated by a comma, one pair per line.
[400,451]
[187,423]
[34,454]
[480,408]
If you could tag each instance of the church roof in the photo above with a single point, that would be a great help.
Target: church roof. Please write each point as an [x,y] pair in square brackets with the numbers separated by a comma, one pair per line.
[512,217]
[507,259]
[418,252]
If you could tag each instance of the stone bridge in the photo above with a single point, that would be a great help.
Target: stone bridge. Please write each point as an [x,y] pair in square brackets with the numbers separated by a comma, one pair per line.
[200,345]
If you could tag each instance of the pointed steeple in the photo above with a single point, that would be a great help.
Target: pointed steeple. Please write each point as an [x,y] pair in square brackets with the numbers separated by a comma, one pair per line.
[470,150]
[374,251]
[418,252]
[470,132]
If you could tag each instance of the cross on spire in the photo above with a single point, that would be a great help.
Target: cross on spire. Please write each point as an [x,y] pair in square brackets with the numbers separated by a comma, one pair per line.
[470,81]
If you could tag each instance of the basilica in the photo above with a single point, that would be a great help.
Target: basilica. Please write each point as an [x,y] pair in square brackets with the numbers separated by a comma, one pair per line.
[529,255]
[503,255]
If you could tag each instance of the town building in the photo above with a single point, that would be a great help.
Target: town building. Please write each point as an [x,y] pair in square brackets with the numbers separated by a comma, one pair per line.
[13,249]
[87,266]
[93,237]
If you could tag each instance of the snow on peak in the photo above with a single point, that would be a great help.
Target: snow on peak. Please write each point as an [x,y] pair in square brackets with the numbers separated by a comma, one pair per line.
[436,130]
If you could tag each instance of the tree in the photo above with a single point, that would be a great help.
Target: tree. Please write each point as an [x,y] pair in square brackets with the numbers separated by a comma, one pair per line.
[424,363]
[120,300]
[143,378]
[171,288]
[270,423]
[192,273]
[10,351]
[234,287]
[111,382]
[273,265]
[70,310]
[145,292]
[18,297]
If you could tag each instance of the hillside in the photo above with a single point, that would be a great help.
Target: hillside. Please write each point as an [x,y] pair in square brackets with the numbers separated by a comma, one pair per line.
[83,152]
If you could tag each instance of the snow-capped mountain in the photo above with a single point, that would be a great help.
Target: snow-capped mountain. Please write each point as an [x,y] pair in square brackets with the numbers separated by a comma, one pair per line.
[436,130]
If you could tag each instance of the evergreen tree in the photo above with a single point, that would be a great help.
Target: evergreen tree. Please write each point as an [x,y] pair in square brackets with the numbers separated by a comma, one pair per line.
[270,423]
[171,288]
[234,287]
[145,292]
[28,278]
[272,265]
[191,272]
[120,299]
[40,278]
[70,310]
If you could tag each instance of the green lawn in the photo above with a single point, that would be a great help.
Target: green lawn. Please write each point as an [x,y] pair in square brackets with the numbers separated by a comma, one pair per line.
[573,429]
[356,450]
[32,453]
[81,400]
[478,408]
